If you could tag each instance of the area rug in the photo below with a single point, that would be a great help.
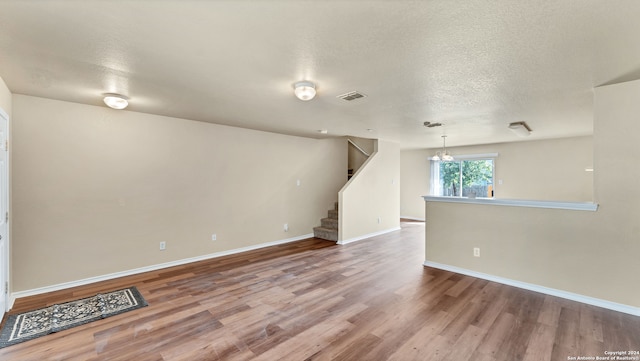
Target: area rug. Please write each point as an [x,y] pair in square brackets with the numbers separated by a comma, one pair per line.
[29,325]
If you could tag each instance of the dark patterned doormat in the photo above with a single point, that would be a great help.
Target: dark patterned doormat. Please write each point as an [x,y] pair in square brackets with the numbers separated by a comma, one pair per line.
[29,325]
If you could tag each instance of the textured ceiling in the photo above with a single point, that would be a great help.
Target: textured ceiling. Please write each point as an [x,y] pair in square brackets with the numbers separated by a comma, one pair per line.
[474,66]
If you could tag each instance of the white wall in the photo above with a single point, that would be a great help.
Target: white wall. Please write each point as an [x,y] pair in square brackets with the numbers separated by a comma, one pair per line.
[370,201]
[414,176]
[96,190]
[538,170]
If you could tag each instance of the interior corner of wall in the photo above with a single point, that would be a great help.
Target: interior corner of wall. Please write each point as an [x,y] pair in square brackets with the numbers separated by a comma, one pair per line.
[6,98]
[340,216]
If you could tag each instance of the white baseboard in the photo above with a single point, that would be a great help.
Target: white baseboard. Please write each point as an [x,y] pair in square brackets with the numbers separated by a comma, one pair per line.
[86,281]
[412,218]
[355,239]
[545,290]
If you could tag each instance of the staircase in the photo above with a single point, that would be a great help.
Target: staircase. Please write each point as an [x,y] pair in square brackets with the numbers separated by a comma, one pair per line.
[328,226]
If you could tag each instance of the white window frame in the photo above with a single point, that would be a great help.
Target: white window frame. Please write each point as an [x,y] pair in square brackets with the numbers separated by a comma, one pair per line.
[434,187]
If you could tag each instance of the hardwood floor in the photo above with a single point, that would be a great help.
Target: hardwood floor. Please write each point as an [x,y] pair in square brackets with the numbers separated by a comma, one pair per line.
[314,300]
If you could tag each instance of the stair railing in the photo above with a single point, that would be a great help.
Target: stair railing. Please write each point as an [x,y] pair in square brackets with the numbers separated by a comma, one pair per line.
[358,147]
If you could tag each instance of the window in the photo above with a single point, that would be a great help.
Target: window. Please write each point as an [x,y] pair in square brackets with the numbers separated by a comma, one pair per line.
[467,176]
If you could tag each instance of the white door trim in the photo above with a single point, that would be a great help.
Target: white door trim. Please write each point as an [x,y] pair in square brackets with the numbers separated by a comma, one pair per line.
[6,243]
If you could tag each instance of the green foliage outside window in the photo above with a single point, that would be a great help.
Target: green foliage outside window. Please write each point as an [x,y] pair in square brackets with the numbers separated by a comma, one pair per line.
[477,175]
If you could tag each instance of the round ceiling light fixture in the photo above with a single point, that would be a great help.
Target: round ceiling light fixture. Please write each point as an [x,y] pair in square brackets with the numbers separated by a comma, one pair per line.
[304,90]
[116,101]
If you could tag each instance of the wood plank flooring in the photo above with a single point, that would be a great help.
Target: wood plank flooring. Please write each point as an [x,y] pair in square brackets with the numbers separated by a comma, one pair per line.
[314,300]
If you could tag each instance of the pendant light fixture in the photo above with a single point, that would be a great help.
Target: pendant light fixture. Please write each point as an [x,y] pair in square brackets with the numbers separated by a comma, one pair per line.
[443,155]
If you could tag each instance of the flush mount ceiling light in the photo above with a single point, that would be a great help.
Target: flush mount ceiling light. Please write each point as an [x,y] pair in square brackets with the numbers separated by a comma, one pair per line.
[115,101]
[520,128]
[443,155]
[304,90]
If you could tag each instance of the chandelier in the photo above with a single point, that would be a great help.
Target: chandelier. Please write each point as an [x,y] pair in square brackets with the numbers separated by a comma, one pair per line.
[443,155]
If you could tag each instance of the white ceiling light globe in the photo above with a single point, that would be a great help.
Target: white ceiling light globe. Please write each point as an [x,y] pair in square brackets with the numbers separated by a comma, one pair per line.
[116,101]
[305,90]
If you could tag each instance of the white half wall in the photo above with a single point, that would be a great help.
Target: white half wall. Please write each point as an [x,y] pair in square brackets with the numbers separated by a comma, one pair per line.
[593,254]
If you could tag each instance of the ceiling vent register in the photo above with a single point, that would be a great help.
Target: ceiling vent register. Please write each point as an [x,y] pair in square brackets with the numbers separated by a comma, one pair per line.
[432,125]
[350,96]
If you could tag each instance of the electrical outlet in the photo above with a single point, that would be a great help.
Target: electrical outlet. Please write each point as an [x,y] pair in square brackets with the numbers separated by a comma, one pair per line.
[214,237]
[163,246]
[476,252]
[286,227]
[298,182]
[379,220]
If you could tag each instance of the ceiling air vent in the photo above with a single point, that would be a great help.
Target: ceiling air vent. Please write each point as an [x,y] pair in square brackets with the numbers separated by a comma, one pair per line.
[351,96]
[432,125]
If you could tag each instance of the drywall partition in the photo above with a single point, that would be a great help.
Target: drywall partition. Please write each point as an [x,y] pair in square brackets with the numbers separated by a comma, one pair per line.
[414,177]
[546,170]
[583,254]
[370,201]
[616,148]
[96,190]
[543,247]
